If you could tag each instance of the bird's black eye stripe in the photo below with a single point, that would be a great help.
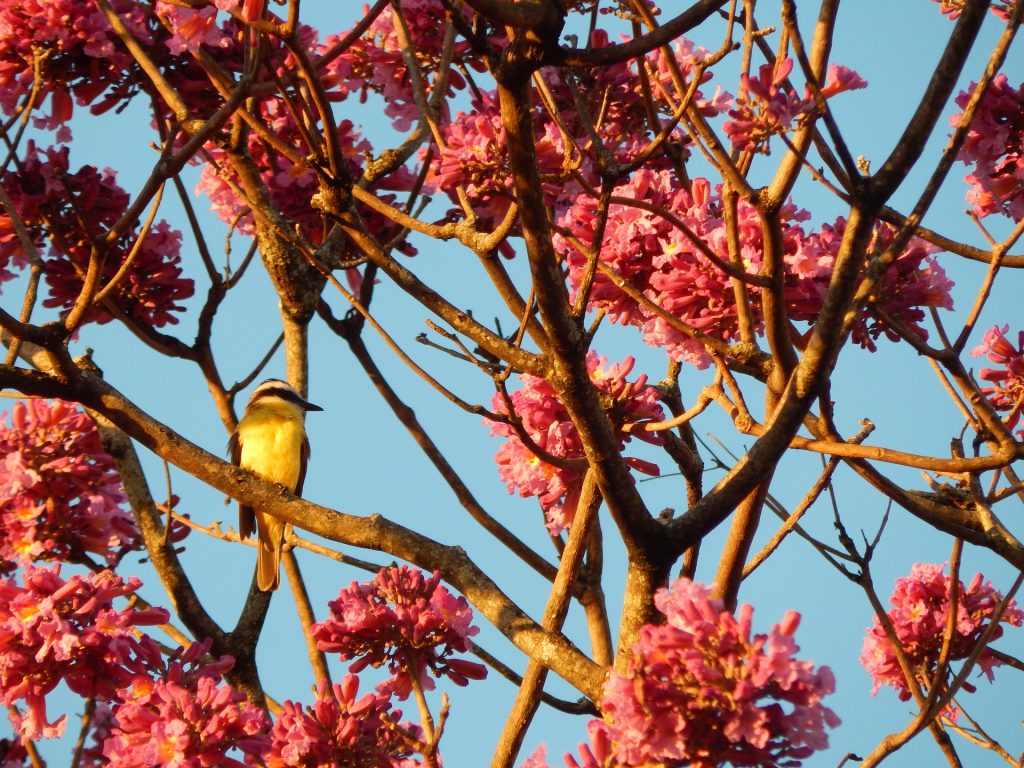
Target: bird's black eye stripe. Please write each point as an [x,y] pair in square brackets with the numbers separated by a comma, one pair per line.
[279,392]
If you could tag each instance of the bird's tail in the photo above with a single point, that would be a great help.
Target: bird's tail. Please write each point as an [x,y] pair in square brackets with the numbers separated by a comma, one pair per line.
[268,552]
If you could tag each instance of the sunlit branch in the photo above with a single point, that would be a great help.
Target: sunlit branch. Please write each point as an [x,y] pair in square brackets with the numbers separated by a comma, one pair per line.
[317,659]
[555,610]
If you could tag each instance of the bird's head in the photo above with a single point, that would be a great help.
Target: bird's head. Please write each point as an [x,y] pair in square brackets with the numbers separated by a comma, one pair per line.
[278,392]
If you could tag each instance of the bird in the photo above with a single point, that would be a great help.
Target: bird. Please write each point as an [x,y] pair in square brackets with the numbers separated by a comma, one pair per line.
[271,441]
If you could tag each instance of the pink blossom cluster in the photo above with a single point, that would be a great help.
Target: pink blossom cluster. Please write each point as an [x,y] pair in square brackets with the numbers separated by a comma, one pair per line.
[765,108]
[192,28]
[204,27]
[290,183]
[1006,392]
[375,63]
[649,249]
[289,180]
[546,422]
[80,58]
[685,59]
[661,261]
[911,283]
[195,27]
[54,630]
[76,51]
[614,100]
[74,212]
[920,615]
[341,730]
[186,717]
[474,157]
[607,100]
[60,493]
[995,147]
[404,621]
[701,691]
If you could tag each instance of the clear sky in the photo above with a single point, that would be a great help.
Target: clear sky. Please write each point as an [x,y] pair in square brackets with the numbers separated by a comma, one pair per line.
[363,461]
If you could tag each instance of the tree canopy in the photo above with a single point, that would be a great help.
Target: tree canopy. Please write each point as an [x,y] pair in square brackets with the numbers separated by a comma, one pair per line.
[625,321]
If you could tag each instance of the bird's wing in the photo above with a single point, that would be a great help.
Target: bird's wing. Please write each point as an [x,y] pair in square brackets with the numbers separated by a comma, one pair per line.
[246,516]
[303,461]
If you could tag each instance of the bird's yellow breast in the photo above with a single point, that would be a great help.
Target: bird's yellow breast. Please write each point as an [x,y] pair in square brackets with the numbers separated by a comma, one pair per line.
[271,439]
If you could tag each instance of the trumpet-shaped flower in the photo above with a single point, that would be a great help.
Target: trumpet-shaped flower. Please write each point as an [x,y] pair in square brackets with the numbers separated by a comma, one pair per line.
[920,616]
[995,147]
[545,420]
[701,690]
[185,716]
[75,212]
[341,730]
[60,493]
[68,50]
[408,623]
[1006,392]
[53,631]
[765,108]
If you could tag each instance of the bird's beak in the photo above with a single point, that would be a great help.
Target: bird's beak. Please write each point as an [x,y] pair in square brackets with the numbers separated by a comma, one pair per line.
[310,407]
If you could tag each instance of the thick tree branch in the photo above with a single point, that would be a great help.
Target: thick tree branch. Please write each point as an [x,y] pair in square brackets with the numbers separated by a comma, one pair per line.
[551,649]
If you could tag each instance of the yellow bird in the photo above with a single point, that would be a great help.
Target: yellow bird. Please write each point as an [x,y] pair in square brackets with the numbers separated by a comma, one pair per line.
[271,441]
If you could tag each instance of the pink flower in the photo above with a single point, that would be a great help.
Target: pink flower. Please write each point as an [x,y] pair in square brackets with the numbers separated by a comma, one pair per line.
[291,186]
[912,282]
[340,730]
[953,8]
[1007,392]
[192,28]
[52,630]
[52,202]
[10,253]
[537,759]
[595,754]
[841,79]
[60,494]
[995,147]
[1004,9]
[615,100]
[474,157]
[375,63]
[701,691]
[83,56]
[185,717]
[546,421]
[661,261]
[764,109]
[919,616]
[400,619]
